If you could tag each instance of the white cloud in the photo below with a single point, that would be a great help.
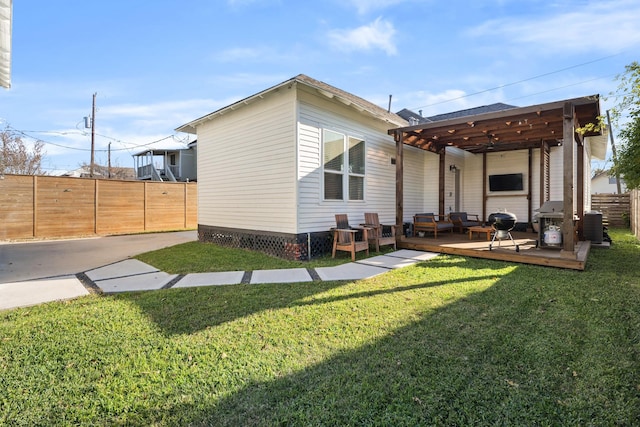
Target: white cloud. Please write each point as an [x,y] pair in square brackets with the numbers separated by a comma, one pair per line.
[596,27]
[377,35]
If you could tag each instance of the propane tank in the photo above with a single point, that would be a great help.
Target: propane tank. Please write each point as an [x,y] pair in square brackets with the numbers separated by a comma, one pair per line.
[553,236]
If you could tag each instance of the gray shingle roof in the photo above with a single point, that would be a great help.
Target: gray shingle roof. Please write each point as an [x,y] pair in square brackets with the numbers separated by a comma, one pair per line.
[499,106]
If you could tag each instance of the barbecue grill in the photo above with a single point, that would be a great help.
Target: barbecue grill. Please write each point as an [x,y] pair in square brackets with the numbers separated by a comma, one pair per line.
[502,223]
[549,221]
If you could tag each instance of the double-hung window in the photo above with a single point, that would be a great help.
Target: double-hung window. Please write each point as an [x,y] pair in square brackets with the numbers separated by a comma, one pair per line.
[344,166]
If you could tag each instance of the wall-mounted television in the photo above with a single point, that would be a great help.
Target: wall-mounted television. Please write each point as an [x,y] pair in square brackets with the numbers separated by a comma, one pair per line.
[506,182]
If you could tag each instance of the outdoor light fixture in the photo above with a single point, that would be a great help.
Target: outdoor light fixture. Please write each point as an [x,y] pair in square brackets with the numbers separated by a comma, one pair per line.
[453,168]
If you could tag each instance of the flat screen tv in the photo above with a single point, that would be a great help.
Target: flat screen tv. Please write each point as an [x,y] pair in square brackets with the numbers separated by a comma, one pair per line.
[506,182]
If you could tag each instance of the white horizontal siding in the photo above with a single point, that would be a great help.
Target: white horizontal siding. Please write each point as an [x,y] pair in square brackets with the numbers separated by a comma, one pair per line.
[246,166]
[516,202]
[415,169]
[316,112]
[471,176]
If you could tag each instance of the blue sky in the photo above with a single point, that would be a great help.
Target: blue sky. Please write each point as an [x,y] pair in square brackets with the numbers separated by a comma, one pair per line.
[158,65]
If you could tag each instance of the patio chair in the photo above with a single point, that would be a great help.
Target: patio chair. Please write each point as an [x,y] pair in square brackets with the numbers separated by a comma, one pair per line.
[462,220]
[380,234]
[431,223]
[349,239]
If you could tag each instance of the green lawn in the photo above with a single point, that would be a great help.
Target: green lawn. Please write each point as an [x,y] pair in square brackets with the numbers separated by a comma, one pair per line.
[451,341]
[198,257]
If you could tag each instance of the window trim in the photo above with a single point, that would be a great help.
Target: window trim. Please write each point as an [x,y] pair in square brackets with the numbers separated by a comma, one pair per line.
[344,172]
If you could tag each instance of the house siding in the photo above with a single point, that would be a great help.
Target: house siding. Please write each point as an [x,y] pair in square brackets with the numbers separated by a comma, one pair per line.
[471,176]
[512,201]
[418,165]
[317,112]
[246,164]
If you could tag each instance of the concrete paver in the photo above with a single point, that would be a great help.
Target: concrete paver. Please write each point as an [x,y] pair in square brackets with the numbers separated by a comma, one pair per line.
[24,294]
[210,279]
[138,282]
[290,275]
[416,255]
[388,262]
[125,268]
[351,271]
[133,275]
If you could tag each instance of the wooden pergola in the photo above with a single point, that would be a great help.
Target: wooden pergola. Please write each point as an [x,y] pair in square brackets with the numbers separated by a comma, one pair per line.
[527,128]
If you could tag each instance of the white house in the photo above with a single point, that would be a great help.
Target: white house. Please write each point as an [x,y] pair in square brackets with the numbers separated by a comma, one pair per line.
[604,183]
[178,164]
[274,168]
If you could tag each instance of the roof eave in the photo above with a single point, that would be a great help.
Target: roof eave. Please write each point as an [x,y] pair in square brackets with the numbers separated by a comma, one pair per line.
[391,118]
[191,126]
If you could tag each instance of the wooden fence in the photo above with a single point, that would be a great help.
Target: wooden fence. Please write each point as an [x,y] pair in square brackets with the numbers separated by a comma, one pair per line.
[615,208]
[54,207]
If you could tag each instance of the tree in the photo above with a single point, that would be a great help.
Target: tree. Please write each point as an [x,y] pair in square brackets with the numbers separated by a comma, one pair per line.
[629,153]
[628,93]
[17,158]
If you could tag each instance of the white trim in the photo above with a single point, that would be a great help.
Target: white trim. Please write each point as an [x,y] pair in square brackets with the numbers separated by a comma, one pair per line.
[344,171]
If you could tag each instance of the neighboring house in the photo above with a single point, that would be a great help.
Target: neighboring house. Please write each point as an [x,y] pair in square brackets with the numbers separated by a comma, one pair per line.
[274,168]
[102,172]
[168,164]
[81,172]
[603,183]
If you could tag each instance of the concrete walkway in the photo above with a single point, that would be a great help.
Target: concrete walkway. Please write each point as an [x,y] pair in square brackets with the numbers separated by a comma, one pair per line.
[133,275]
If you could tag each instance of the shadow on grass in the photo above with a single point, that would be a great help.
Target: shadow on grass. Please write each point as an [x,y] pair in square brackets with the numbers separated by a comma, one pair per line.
[525,351]
[185,311]
[540,346]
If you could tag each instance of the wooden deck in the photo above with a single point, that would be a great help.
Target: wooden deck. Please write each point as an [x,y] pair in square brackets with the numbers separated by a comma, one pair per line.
[478,247]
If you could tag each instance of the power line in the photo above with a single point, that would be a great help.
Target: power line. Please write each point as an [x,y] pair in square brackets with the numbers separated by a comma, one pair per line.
[25,133]
[517,82]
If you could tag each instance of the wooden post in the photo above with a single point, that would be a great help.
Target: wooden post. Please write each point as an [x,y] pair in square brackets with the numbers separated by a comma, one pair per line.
[35,206]
[580,186]
[95,206]
[145,206]
[443,159]
[484,187]
[568,244]
[543,172]
[530,189]
[399,183]
[185,204]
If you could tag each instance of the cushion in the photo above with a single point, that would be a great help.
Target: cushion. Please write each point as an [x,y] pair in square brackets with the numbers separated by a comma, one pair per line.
[462,216]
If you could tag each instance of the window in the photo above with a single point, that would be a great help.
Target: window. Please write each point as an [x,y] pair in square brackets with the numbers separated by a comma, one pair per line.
[344,166]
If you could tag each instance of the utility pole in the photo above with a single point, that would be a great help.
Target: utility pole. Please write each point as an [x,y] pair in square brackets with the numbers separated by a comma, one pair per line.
[109,161]
[615,156]
[93,135]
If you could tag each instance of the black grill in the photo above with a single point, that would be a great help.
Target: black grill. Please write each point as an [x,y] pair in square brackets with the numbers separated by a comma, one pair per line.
[502,223]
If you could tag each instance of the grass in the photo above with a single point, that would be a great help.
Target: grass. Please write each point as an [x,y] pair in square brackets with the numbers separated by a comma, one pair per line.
[452,341]
[198,257]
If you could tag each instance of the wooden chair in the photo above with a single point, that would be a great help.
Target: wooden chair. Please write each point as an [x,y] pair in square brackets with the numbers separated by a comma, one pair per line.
[431,223]
[380,234]
[345,237]
[462,220]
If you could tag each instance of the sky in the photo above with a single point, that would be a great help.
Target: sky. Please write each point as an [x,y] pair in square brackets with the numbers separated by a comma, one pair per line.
[155,66]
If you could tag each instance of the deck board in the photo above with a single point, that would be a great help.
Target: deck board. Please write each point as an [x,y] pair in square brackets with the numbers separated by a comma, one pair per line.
[478,247]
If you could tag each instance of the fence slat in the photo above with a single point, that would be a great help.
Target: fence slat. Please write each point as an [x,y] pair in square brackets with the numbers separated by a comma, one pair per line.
[615,208]
[44,206]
